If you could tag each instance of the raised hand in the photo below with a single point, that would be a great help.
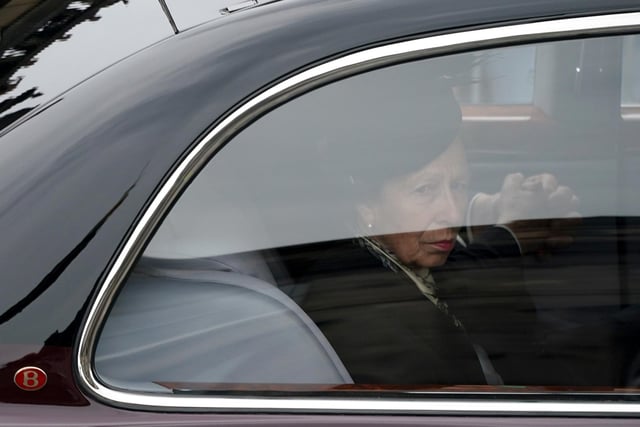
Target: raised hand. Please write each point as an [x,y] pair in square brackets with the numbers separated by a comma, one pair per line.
[541,213]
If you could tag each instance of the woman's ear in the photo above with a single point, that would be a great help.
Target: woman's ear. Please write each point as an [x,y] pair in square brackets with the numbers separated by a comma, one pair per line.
[367,216]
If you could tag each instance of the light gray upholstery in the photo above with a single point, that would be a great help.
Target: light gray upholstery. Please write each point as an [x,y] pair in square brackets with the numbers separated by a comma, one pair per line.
[204,326]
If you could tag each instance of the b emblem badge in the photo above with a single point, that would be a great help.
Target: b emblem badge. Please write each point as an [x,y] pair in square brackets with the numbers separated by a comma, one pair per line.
[30,378]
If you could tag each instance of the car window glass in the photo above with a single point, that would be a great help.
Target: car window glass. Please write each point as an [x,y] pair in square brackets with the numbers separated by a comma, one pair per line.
[630,96]
[503,76]
[378,234]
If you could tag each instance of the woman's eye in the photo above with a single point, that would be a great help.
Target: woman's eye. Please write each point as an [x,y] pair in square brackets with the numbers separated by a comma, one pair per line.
[459,186]
[427,187]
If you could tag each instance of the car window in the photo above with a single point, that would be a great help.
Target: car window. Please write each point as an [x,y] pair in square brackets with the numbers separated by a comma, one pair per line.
[503,76]
[630,96]
[376,234]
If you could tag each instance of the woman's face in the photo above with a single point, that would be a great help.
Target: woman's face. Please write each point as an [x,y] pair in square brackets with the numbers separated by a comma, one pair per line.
[417,216]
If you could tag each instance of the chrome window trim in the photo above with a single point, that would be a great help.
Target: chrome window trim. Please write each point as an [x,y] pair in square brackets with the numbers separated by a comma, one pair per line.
[415,403]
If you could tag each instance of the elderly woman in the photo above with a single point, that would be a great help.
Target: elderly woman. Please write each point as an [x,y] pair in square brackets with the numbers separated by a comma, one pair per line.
[415,307]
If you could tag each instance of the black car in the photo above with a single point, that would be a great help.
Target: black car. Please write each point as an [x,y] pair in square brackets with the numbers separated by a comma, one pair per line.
[421,212]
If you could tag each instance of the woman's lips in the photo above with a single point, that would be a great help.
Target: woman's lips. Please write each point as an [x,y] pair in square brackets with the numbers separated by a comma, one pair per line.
[444,245]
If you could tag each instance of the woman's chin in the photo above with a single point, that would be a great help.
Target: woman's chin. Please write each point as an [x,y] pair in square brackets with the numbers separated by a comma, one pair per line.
[432,260]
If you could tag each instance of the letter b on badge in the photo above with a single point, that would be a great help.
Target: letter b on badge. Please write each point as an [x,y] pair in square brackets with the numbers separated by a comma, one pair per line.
[30,378]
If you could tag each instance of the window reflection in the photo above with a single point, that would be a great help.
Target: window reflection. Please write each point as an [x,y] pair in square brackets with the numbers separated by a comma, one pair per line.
[47,47]
[501,76]
[403,246]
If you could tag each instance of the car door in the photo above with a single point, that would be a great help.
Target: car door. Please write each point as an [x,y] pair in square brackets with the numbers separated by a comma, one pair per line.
[268,227]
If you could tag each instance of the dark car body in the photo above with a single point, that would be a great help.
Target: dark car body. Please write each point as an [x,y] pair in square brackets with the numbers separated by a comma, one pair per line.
[81,171]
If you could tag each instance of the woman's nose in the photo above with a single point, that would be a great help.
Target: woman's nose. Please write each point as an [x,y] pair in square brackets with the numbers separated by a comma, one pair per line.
[450,209]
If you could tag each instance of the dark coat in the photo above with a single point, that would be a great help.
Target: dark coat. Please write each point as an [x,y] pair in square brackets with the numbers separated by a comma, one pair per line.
[387,332]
